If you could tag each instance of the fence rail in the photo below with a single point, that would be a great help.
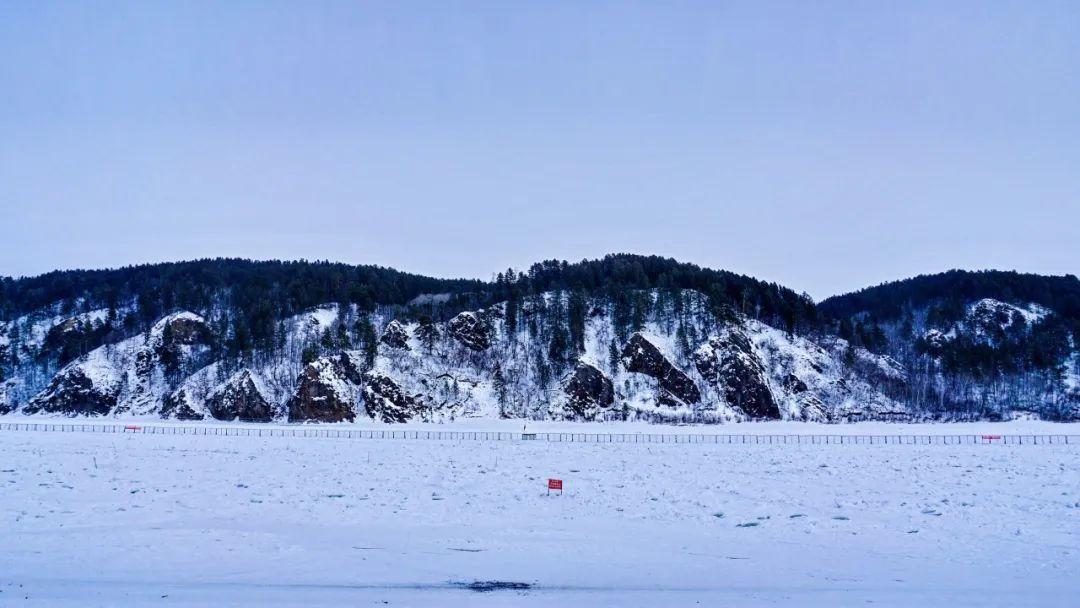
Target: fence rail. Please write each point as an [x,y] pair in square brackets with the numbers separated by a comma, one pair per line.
[742,439]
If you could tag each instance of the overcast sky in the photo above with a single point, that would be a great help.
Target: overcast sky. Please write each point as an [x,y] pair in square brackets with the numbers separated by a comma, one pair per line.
[825,146]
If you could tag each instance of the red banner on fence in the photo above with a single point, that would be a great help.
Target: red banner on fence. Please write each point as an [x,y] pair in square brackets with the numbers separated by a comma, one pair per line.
[555,484]
[132,427]
[991,437]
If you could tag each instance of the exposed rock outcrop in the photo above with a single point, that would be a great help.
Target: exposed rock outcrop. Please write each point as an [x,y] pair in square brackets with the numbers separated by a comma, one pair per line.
[182,329]
[74,392]
[8,389]
[178,405]
[240,399]
[133,376]
[728,361]
[588,391]
[643,357]
[395,336]
[326,391]
[469,329]
[934,341]
[386,400]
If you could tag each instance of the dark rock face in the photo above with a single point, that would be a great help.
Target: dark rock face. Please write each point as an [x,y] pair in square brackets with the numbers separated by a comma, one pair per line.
[934,342]
[326,391]
[588,390]
[8,401]
[676,388]
[185,331]
[239,398]
[395,336]
[72,392]
[729,362]
[176,406]
[385,399]
[471,331]
[181,348]
[794,385]
[994,319]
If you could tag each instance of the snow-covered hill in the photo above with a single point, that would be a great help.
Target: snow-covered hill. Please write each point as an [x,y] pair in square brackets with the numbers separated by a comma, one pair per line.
[672,357]
[333,363]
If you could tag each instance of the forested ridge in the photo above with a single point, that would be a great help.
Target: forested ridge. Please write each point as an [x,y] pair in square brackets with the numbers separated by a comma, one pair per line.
[953,345]
[258,294]
[951,291]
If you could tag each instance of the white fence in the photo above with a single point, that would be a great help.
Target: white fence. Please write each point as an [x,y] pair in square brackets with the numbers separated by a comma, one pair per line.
[734,439]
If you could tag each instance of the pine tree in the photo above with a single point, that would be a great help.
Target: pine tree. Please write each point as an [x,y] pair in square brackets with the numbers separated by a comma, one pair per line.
[427,333]
[558,347]
[621,313]
[499,384]
[369,342]
[309,354]
[342,338]
[543,372]
[640,311]
[613,357]
[513,306]
[576,321]
[683,341]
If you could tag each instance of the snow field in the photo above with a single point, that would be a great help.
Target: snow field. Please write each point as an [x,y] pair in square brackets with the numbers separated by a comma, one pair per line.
[88,519]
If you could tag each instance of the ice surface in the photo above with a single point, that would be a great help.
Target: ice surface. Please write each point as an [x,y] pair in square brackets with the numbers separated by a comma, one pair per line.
[137,520]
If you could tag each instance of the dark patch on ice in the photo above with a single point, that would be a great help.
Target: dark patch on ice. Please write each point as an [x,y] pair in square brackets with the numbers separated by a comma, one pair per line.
[749,524]
[486,586]
[465,550]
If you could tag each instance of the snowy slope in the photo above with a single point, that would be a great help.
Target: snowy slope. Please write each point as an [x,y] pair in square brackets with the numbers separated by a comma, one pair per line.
[130,377]
[677,363]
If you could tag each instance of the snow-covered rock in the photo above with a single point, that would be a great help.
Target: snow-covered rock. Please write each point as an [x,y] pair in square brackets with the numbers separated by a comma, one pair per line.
[729,362]
[989,315]
[639,355]
[386,401]
[471,330]
[240,398]
[588,392]
[133,376]
[90,387]
[395,335]
[328,391]
[9,391]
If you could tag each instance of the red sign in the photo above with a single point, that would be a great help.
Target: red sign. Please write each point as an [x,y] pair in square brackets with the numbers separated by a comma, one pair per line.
[555,484]
[131,427]
[991,437]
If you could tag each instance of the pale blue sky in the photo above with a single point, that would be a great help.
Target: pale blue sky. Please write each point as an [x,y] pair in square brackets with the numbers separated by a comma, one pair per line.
[823,145]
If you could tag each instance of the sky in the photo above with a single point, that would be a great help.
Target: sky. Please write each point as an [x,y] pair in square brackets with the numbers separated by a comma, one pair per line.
[826,146]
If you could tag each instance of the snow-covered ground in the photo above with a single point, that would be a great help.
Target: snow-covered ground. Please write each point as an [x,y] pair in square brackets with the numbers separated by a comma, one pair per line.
[160,520]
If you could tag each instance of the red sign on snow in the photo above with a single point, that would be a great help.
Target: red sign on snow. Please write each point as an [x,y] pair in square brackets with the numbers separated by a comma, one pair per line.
[555,484]
[131,427]
[991,437]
